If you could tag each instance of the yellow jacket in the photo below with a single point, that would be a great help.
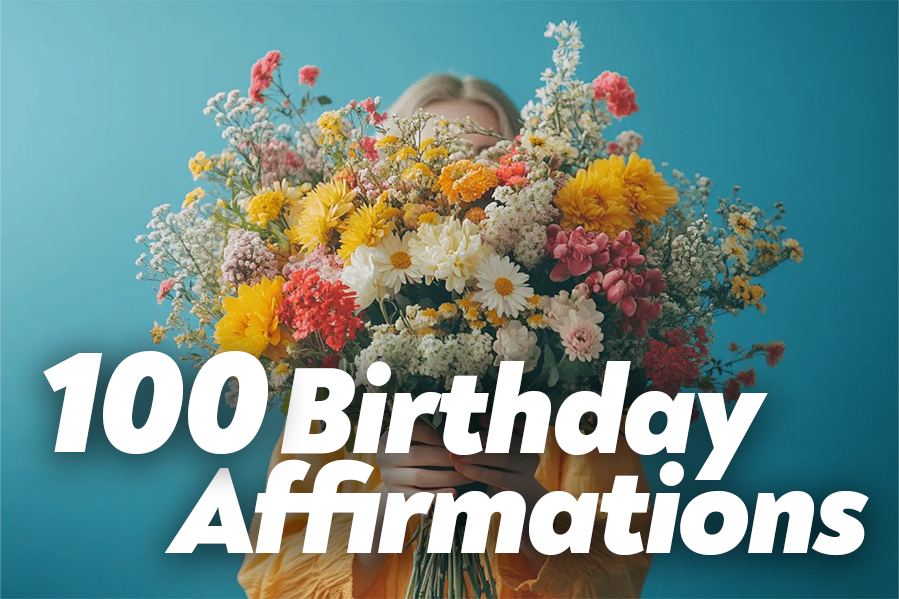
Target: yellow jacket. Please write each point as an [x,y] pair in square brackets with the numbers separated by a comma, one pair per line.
[599,573]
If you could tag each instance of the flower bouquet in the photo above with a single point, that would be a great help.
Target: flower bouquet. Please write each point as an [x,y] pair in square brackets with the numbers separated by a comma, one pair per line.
[348,237]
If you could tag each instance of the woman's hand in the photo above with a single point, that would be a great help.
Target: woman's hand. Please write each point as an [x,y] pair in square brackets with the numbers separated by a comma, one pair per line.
[513,471]
[426,467]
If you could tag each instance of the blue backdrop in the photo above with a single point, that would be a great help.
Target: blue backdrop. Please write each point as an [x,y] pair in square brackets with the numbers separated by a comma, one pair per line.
[102,108]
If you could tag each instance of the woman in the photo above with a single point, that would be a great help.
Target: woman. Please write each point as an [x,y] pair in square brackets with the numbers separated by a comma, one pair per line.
[428,466]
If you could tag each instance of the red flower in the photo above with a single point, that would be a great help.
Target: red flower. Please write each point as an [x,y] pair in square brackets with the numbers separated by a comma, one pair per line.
[371,107]
[620,97]
[731,390]
[368,146]
[309,75]
[312,304]
[261,75]
[774,353]
[511,172]
[747,377]
[675,363]
[332,361]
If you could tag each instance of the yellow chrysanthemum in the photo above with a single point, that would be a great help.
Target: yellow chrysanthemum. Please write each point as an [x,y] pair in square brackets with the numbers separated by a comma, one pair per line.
[250,323]
[267,205]
[419,170]
[432,154]
[595,200]
[387,142]
[428,218]
[199,164]
[466,181]
[404,154]
[426,143]
[322,215]
[368,225]
[330,126]
[649,194]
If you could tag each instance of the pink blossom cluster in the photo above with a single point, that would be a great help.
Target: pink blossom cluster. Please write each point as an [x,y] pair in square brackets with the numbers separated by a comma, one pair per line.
[626,143]
[279,161]
[612,271]
[247,260]
[261,75]
[578,252]
[620,97]
[325,263]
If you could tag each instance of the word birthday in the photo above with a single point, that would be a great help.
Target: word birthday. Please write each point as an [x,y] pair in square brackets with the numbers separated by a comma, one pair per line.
[79,375]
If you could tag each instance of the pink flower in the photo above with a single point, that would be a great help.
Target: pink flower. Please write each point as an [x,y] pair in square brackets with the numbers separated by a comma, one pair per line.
[164,288]
[261,75]
[371,107]
[578,251]
[646,311]
[620,97]
[368,146]
[376,119]
[581,338]
[774,353]
[309,75]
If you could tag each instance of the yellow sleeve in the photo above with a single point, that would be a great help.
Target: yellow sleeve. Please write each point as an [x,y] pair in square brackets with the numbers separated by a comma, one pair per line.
[599,573]
[292,573]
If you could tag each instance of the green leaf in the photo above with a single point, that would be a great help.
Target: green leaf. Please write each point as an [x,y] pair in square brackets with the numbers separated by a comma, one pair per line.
[323,100]
[550,367]
[402,301]
[569,370]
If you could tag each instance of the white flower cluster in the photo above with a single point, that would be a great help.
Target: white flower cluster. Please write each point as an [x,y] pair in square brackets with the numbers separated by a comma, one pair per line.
[564,120]
[694,261]
[412,354]
[185,246]
[517,221]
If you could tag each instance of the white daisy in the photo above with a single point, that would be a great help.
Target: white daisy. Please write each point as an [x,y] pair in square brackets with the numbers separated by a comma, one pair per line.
[502,286]
[393,260]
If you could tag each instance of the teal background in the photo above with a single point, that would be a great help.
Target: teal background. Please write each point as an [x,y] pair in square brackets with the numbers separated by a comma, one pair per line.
[101,108]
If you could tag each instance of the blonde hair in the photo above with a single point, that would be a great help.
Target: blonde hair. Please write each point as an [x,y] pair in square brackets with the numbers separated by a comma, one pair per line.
[442,87]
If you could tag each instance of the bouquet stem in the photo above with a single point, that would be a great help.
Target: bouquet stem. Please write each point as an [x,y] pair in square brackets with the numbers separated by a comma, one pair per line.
[443,575]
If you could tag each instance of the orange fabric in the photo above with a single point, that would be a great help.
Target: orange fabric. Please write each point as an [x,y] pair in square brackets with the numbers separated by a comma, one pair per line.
[598,573]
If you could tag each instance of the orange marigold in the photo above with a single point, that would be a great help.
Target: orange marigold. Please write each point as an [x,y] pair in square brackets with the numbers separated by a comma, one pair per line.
[476,215]
[466,181]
